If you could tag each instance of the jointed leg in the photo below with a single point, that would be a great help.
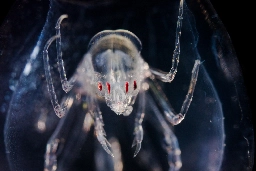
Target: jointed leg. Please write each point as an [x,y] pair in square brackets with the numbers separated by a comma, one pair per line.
[98,125]
[170,144]
[68,136]
[138,130]
[169,113]
[53,144]
[168,77]
[66,85]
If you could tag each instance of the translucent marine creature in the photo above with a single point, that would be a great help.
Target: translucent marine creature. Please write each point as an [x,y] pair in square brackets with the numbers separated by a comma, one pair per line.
[217,133]
[113,70]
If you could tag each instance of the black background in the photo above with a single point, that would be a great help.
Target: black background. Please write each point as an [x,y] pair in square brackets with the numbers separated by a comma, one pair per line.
[238,20]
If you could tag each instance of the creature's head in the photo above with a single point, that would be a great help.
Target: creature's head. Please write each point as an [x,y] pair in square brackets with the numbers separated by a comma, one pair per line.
[116,60]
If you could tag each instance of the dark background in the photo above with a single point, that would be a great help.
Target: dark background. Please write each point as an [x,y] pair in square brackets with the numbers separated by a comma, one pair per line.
[236,17]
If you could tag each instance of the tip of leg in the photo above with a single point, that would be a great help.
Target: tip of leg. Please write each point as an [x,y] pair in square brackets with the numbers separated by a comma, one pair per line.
[106,148]
[138,146]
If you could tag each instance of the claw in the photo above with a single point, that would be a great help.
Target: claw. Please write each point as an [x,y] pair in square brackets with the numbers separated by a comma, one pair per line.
[138,146]
[106,145]
[137,139]
[100,133]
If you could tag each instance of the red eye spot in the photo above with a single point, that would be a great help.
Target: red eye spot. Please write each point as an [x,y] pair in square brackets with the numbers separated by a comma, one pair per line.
[108,87]
[126,87]
[134,85]
[99,86]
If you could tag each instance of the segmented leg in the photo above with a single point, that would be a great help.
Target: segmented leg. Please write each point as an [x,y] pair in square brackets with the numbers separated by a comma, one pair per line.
[170,144]
[138,130]
[53,144]
[98,125]
[168,77]
[169,113]
[66,85]
[69,135]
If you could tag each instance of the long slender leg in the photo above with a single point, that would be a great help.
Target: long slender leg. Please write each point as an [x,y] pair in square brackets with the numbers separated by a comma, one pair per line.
[100,132]
[54,142]
[66,138]
[170,144]
[168,77]
[169,113]
[67,85]
[138,130]
[98,124]
[74,137]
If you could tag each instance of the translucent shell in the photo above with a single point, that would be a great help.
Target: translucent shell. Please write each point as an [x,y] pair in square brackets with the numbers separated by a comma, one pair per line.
[121,39]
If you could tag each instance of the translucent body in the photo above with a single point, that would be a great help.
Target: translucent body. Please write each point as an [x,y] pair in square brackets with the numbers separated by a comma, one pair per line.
[117,66]
[111,64]
[216,125]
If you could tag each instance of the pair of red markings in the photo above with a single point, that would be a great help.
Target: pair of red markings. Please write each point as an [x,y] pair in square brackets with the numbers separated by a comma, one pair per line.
[126,86]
